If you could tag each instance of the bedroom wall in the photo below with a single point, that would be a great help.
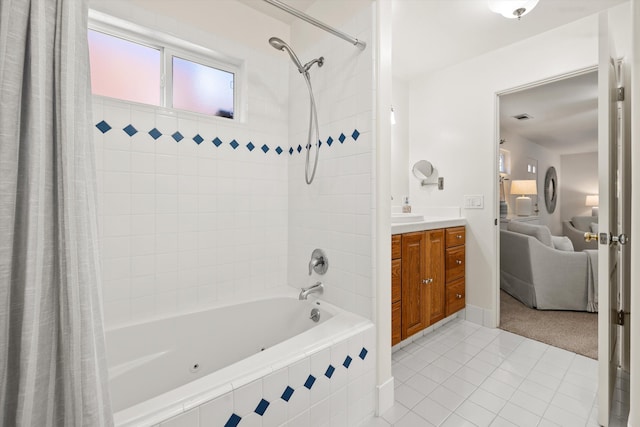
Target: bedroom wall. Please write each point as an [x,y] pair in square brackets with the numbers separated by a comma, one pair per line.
[521,149]
[579,178]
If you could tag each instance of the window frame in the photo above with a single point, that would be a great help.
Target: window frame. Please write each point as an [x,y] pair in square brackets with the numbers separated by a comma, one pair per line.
[170,47]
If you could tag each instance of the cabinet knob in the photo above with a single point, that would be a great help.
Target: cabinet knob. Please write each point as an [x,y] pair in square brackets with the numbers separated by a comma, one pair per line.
[459,236]
[458,296]
[459,262]
[427,281]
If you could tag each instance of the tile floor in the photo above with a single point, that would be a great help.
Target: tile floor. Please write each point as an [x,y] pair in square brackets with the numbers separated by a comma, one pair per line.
[463,374]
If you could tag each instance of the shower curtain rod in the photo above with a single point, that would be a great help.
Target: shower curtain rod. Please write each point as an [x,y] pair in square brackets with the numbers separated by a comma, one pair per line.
[295,12]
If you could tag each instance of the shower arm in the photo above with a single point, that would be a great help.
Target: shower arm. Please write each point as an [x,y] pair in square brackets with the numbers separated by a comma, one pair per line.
[295,12]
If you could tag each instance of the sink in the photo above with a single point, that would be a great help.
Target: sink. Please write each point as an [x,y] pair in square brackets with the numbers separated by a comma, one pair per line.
[401,218]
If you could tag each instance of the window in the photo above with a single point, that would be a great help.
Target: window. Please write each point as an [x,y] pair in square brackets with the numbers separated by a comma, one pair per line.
[135,64]
[123,69]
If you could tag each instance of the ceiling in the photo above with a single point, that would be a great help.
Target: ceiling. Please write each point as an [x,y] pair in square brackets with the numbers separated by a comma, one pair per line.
[564,114]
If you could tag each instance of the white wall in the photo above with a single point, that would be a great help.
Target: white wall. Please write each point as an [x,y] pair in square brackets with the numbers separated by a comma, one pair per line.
[187,225]
[400,168]
[521,150]
[579,178]
[453,124]
[335,212]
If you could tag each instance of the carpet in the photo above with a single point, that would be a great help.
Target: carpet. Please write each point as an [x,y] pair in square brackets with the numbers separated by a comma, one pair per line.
[575,331]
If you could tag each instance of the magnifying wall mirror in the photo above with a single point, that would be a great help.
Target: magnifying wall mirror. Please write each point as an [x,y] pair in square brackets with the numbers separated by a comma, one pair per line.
[422,169]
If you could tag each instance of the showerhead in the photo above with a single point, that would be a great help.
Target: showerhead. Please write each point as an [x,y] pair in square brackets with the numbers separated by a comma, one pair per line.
[281,45]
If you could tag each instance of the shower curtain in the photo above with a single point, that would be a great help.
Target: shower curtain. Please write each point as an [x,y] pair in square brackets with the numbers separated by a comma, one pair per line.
[52,352]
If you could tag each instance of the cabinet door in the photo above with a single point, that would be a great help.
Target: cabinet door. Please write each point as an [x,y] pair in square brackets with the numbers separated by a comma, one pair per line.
[396,323]
[396,280]
[414,292]
[435,272]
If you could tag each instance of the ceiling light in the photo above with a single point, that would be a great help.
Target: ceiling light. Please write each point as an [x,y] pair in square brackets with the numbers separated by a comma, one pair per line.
[512,8]
[393,116]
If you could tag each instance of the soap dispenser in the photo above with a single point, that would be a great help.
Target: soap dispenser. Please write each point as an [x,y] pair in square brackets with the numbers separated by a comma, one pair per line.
[406,207]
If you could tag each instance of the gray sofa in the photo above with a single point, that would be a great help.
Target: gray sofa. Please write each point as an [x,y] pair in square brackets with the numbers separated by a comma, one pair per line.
[543,277]
[575,228]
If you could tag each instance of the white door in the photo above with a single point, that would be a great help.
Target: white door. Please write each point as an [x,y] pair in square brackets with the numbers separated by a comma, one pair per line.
[608,251]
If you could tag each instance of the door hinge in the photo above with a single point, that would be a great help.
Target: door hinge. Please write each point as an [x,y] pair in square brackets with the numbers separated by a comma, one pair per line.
[620,318]
[621,93]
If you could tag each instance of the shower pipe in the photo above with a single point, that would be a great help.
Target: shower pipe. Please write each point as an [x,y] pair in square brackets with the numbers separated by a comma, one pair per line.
[295,12]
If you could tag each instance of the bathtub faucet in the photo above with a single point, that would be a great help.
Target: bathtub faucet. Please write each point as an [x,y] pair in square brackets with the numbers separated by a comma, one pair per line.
[319,262]
[315,289]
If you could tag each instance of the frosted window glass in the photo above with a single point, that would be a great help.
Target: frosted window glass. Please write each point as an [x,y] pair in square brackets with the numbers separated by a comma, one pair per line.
[123,69]
[202,89]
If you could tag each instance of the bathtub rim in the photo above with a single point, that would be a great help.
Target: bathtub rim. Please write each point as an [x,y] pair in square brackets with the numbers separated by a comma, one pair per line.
[342,325]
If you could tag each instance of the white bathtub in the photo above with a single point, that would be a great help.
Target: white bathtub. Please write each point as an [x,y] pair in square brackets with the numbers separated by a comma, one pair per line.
[172,367]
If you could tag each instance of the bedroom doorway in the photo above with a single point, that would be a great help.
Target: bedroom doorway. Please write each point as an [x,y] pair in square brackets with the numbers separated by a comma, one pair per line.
[548,141]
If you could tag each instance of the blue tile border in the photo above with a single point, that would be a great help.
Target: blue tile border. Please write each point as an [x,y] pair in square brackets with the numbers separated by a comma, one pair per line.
[104,127]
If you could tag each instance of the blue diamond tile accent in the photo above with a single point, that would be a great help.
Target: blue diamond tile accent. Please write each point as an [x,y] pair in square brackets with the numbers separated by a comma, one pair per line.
[299,149]
[341,138]
[262,407]
[217,142]
[155,133]
[279,150]
[198,139]
[130,130]
[355,134]
[329,372]
[233,421]
[309,382]
[250,146]
[319,143]
[290,150]
[103,127]
[177,136]
[347,362]
[234,144]
[287,393]
[329,141]
[363,353]
[265,148]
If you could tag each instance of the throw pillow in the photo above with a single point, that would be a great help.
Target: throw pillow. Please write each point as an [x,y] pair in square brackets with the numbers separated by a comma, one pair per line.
[562,243]
[594,227]
[540,232]
[582,222]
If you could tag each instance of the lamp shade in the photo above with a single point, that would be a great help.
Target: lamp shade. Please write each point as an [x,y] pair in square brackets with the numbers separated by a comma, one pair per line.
[524,187]
[512,8]
[592,200]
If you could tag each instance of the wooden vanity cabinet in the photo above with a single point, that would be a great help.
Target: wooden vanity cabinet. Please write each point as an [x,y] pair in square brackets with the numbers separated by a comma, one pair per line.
[423,264]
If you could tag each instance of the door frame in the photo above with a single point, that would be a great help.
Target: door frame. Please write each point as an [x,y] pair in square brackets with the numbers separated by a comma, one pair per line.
[496,154]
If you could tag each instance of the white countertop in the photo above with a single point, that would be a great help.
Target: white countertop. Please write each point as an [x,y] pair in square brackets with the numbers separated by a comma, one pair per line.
[429,223]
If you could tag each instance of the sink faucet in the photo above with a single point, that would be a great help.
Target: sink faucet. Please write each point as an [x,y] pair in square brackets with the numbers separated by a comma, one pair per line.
[319,262]
[315,289]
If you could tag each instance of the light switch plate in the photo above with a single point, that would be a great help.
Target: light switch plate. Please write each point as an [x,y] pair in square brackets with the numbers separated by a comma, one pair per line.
[474,202]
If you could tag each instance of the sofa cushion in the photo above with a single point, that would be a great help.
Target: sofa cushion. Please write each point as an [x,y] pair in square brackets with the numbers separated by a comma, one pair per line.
[583,223]
[594,227]
[540,232]
[562,243]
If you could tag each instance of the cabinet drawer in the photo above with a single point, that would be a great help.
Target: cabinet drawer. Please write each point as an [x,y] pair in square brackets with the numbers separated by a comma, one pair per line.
[396,326]
[454,264]
[455,297]
[396,246]
[396,280]
[455,236]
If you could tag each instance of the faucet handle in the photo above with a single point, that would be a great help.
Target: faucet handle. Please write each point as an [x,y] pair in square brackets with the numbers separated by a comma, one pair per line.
[319,262]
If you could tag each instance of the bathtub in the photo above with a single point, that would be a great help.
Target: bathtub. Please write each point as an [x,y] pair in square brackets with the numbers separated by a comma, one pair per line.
[262,360]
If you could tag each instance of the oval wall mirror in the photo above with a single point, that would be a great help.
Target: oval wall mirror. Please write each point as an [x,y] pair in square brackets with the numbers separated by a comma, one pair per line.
[551,189]
[422,169]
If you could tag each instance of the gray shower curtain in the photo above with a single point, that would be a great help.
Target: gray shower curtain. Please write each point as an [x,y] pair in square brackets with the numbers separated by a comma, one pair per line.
[52,354]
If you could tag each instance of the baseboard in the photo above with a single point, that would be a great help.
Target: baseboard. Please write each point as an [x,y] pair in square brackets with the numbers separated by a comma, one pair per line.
[480,316]
[386,397]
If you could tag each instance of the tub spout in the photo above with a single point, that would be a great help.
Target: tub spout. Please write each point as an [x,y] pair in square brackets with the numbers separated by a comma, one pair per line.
[315,289]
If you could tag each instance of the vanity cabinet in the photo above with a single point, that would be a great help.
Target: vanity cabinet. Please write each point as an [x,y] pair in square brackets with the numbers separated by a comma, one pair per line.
[427,270]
